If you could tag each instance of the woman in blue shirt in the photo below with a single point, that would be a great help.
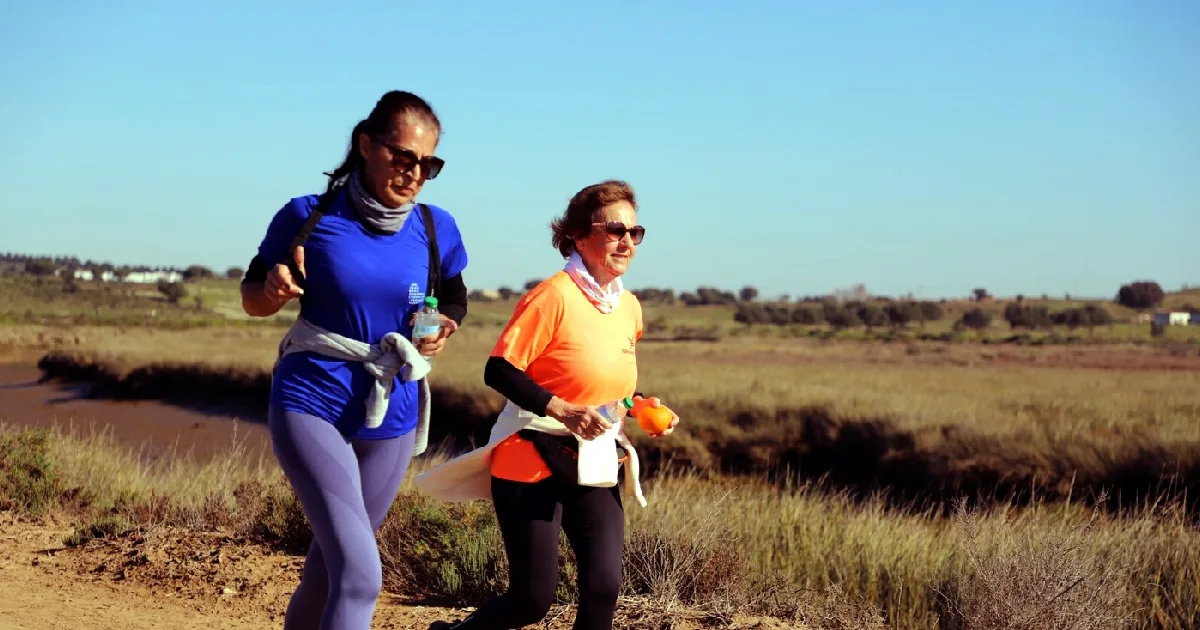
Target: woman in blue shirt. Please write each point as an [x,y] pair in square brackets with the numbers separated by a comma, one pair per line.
[362,272]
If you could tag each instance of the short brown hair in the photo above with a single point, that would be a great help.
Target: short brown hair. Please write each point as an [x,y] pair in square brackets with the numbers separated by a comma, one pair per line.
[577,220]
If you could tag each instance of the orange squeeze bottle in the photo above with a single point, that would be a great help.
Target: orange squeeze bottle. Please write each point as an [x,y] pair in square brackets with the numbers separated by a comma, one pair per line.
[652,420]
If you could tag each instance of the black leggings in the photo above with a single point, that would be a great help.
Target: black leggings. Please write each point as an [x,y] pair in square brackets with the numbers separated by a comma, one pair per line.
[530,515]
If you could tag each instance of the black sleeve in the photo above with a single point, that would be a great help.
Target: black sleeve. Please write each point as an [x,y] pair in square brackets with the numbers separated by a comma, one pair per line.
[515,385]
[256,272]
[453,300]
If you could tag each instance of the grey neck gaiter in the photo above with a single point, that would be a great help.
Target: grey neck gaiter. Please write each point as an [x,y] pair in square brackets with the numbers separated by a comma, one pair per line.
[375,215]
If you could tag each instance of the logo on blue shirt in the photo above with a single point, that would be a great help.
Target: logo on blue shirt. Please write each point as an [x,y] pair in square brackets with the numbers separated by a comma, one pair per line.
[415,294]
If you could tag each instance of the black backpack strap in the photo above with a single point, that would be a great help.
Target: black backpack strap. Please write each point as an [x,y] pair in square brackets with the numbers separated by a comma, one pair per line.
[289,258]
[435,259]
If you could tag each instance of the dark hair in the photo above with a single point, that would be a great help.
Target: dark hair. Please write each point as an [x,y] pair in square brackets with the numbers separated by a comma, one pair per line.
[394,104]
[577,220]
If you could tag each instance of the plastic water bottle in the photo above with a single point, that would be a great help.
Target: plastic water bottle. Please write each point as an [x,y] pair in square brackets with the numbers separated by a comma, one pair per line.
[428,323]
[615,412]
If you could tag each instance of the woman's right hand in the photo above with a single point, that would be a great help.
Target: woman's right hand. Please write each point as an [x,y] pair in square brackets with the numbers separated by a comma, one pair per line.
[280,287]
[581,420]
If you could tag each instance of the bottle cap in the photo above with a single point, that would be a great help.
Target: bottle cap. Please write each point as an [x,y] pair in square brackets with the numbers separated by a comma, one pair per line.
[431,301]
[628,402]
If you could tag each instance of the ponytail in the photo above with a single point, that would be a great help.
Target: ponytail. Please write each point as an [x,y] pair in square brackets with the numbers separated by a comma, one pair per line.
[353,161]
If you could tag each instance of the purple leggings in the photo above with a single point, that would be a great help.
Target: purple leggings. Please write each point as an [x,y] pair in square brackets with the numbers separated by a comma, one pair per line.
[345,487]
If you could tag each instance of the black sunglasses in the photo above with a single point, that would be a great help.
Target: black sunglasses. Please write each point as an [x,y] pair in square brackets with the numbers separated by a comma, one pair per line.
[618,230]
[405,160]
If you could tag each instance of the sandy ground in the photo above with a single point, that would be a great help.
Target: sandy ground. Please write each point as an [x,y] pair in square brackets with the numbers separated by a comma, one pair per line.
[191,581]
[165,580]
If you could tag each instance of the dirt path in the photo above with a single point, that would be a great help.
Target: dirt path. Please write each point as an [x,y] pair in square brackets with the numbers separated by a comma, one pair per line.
[46,587]
[185,580]
[33,600]
[36,594]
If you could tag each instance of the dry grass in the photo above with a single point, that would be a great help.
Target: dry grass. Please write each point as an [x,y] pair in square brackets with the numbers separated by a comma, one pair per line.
[1036,584]
[924,570]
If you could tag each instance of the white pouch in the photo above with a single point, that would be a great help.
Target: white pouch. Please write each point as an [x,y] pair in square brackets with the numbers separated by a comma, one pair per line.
[598,457]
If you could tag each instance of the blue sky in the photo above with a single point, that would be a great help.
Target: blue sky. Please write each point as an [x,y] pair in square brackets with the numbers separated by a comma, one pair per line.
[926,147]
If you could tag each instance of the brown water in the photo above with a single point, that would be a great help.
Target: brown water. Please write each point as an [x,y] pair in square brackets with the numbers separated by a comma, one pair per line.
[154,426]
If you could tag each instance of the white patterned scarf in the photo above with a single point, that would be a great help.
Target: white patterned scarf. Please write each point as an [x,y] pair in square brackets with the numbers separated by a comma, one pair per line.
[604,301]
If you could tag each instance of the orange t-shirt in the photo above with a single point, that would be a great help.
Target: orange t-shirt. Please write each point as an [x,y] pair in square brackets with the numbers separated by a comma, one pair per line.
[559,338]
[573,350]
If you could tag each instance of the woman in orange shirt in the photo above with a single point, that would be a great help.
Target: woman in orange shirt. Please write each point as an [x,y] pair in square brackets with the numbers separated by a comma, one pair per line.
[568,349]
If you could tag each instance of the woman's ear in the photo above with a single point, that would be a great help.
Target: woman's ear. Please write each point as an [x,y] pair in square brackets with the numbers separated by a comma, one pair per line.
[361,141]
[578,242]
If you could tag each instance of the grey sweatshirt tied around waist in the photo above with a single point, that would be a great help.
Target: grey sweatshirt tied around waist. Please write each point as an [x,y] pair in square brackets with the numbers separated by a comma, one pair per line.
[393,355]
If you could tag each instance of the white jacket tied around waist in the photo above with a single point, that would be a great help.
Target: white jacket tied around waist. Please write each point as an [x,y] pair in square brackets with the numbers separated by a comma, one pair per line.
[468,476]
[393,355]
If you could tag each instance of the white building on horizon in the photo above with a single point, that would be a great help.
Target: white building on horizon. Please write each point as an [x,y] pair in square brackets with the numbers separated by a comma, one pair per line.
[1176,318]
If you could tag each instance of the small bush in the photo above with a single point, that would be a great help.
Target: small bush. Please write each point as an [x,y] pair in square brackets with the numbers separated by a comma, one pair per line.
[28,479]
[842,318]
[929,312]
[1049,584]
[442,551]
[976,319]
[806,316]
[750,314]
[872,316]
[98,528]
[901,313]
[173,291]
[689,568]
[274,517]
[1020,315]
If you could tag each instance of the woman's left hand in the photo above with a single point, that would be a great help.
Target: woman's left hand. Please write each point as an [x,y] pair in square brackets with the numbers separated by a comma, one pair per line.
[655,402]
[432,347]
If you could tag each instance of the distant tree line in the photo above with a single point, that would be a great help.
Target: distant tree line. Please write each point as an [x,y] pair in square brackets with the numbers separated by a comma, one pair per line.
[838,315]
[655,296]
[712,296]
[899,314]
[702,296]
[843,308]
[1034,317]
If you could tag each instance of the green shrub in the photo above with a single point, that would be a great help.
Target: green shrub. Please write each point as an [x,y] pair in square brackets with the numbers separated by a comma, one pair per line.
[28,479]
[97,528]
[442,551]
